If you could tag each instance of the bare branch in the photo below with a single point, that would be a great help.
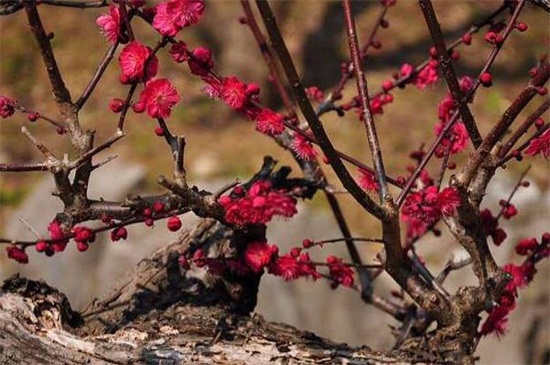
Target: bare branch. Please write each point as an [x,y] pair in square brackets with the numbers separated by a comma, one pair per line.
[97,76]
[39,145]
[4,167]
[62,95]
[94,151]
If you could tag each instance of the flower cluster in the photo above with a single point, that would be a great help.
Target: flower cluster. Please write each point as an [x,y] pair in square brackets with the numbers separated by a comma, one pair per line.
[377,103]
[532,247]
[244,99]
[457,137]
[83,236]
[424,78]
[294,265]
[303,148]
[315,94]
[235,93]
[509,210]
[17,254]
[6,107]
[519,277]
[174,15]
[260,256]
[340,273]
[493,35]
[60,238]
[367,181]
[118,234]
[257,205]
[540,145]
[425,207]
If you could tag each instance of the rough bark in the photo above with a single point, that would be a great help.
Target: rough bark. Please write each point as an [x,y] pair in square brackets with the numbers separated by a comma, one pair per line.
[157,315]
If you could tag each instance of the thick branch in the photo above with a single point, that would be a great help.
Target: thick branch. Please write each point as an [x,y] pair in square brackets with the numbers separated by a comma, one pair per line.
[62,95]
[446,64]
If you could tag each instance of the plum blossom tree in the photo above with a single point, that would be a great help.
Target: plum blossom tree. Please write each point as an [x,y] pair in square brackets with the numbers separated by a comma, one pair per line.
[407,207]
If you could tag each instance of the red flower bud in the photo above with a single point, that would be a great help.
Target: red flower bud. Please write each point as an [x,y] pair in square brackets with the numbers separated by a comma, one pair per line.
[81,246]
[307,243]
[158,207]
[41,246]
[17,254]
[159,131]
[138,107]
[32,117]
[83,234]
[521,26]
[387,85]
[116,105]
[467,39]
[486,79]
[295,252]
[174,223]
[118,234]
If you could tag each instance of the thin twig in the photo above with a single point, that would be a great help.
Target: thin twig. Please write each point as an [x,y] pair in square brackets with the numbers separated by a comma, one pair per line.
[4,167]
[40,116]
[444,163]
[515,153]
[403,80]
[336,93]
[94,151]
[268,58]
[522,129]
[30,228]
[512,193]
[411,181]
[97,76]
[41,147]
[372,138]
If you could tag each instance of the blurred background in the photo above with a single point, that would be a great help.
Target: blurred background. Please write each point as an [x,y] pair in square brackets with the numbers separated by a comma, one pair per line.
[222,146]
